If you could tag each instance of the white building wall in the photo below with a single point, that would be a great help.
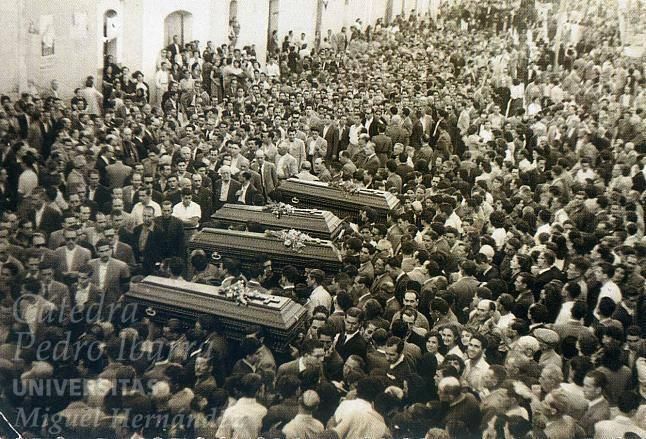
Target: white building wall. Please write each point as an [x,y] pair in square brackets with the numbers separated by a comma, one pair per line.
[397,7]
[142,32]
[334,17]
[253,17]
[299,16]
[9,50]
[152,31]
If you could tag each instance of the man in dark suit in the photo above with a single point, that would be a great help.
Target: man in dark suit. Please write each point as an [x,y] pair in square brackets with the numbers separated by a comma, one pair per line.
[96,192]
[331,135]
[547,272]
[71,257]
[418,130]
[202,196]
[84,295]
[383,145]
[312,355]
[268,175]
[372,162]
[120,250]
[399,369]
[148,181]
[225,189]
[174,48]
[247,193]
[110,275]
[139,143]
[172,231]
[344,134]
[51,290]
[148,239]
[44,217]
[350,341]
[371,123]
[594,385]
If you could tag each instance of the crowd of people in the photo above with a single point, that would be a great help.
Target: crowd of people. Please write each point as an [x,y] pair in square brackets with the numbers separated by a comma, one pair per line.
[502,299]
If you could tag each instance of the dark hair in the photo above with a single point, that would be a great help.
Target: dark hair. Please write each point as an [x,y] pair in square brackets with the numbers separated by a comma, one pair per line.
[369,387]
[579,310]
[580,366]
[628,401]
[249,385]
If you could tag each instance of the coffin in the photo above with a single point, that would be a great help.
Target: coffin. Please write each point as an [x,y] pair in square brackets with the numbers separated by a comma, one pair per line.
[163,298]
[317,195]
[247,246]
[316,223]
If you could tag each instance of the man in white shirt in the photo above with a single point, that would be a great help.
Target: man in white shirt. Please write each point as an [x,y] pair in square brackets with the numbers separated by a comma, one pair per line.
[356,418]
[604,272]
[188,211]
[286,164]
[319,295]
[295,146]
[244,418]
[476,367]
[273,70]
[145,197]
[304,425]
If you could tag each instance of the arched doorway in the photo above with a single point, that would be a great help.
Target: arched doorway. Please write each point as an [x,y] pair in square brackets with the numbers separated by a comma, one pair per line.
[272,25]
[178,23]
[111,27]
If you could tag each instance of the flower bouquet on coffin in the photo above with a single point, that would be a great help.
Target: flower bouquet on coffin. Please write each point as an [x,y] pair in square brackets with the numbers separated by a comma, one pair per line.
[280,209]
[348,188]
[237,292]
[292,239]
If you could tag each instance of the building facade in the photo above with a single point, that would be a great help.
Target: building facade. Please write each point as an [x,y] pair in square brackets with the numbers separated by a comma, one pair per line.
[69,40]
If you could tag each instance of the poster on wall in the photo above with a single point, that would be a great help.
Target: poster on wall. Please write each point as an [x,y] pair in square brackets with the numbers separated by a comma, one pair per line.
[79,29]
[47,36]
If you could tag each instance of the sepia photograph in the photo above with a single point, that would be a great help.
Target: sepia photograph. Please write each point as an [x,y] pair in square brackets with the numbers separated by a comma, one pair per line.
[322,219]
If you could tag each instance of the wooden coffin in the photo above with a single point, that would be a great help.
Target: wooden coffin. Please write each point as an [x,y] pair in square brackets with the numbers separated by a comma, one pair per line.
[317,195]
[246,246]
[163,298]
[316,223]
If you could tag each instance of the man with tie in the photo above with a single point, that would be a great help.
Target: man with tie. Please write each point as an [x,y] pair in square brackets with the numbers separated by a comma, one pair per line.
[247,192]
[174,48]
[147,240]
[316,145]
[71,257]
[331,135]
[96,192]
[51,290]
[268,175]
[45,218]
[350,341]
[109,274]
[295,146]
[224,190]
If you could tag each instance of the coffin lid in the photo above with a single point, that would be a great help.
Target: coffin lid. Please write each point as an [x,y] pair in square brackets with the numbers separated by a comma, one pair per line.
[321,222]
[278,312]
[381,200]
[253,243]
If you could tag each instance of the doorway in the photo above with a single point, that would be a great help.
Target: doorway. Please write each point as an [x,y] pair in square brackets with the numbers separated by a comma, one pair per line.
[178,23]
